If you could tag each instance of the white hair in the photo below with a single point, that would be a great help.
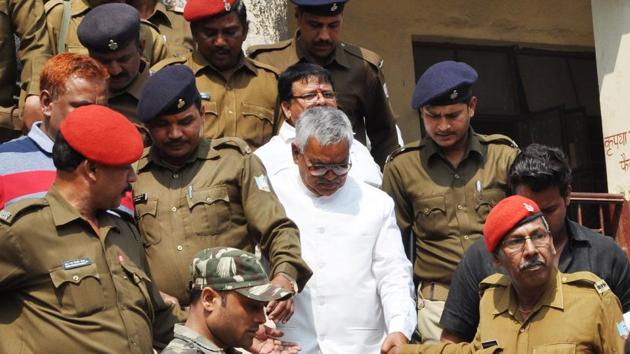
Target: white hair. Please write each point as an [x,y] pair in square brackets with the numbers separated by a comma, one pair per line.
[327,125]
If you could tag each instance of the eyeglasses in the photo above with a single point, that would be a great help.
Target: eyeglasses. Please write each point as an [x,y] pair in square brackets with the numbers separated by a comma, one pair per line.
[312,96]
[318,170]
[517,244]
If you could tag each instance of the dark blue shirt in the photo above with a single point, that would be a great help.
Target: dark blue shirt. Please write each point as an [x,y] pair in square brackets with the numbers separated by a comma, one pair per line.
[586,250]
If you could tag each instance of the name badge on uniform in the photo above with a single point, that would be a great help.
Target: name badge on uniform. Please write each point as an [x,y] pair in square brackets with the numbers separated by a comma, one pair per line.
[76,263]
[142,198]
[489,344]
[263,183]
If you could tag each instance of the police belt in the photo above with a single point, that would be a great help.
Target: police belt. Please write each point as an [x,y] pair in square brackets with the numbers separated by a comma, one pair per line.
[433,291]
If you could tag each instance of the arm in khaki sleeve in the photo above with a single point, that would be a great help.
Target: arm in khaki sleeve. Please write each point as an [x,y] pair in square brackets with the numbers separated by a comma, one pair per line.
[278,236]
[154,44]
[12,260]
[380,123]
[404,212]
[450,348]
[611,315]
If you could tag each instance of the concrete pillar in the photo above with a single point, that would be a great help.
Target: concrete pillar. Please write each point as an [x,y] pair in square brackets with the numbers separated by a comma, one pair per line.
[611,26]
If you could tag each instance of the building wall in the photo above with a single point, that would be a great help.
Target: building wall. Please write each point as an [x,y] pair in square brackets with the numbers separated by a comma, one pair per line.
[389,28]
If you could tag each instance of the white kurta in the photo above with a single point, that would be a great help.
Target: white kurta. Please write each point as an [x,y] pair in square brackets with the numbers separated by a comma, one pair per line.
[362,287]
[276,156]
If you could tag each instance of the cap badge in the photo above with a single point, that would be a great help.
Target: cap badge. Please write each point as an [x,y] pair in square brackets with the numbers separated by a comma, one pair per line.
[334,7]
[454,94]
[528,207]
[112,45]
[227,5]
[180,103]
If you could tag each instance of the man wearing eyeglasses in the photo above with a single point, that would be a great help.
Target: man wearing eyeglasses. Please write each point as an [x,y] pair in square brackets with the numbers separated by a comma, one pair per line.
[534,308]
[360,298]
[300,87]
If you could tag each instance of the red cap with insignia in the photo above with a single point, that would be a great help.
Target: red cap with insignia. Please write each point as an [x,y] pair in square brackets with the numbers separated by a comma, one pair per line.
[197,9]
[506,215]
[102,135]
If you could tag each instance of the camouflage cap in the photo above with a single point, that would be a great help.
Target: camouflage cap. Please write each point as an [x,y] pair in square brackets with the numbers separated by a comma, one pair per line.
[225,268]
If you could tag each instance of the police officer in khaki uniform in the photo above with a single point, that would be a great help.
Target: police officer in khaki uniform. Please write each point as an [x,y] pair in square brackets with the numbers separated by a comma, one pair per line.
[24,19]
[73,275]
[193,193]
[110,33]
[153,43]
[356,72]
[535,308]
[238,94]
[169,22]
[445,185]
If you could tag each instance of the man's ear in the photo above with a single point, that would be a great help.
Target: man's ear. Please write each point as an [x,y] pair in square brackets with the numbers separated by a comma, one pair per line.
[209,299]
[295,150]
[45,102]
[567,198]
[89,169]
[472,106]
[285,106]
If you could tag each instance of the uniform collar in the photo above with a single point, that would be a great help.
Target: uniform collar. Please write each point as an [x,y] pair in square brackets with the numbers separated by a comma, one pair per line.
[204,152]
[431,149]
[339,55]
[64,213]
[186,334]
[136,86]
[160,16]
[552,297]
[40,138]
[80,7]
[199,62]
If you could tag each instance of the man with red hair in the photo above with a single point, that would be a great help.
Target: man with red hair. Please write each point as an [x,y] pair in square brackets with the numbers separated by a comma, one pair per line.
[67,81]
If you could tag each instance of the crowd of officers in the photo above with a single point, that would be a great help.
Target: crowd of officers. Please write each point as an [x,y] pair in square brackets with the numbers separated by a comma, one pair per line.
[116,277]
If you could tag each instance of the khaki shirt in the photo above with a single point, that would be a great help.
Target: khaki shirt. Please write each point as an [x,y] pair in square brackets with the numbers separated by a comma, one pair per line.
[175,29]
[242,106]
[126,102]
[443,207]
[25,19]
[359,83]
[65,289]
[155,48]
[221,197]
[577,314]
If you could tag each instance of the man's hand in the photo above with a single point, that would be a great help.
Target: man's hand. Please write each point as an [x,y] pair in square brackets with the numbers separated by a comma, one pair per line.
[393,343]
[281,311]
[168,299]
[267,342]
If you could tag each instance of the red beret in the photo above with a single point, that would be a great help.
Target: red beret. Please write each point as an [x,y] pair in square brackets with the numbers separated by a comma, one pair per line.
[102,135]
[505,216]
[198,9]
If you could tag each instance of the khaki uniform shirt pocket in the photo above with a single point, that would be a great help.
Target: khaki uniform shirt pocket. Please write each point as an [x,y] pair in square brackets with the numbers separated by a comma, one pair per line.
[78,290]
[558,348]
[142,281]
[148,222]
[431,215]
[256,125]
[486,201]
[212,126]
[209,210]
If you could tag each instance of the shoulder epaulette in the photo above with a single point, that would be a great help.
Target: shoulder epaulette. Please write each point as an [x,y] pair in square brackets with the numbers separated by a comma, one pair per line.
[150,24]
[257,49]
[231,142]
[365,54]
[49,5]
[409,147]
[264,66]
[494,280]
[9,214]
[166,62]
[587,279]
[497,139]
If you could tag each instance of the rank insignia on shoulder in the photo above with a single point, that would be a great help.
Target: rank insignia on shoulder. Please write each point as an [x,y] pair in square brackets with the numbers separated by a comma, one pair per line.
[204,96]
[263,183]
[622,329]
[142,198]
[76,263]
[601,287]
[489,344]
[5,215]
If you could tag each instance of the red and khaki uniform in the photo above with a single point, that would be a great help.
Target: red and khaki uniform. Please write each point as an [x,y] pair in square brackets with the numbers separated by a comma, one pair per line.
[241,106]
[577,314]
[155,48]
[220,198]
[25,19]
[359,84]
[66,289]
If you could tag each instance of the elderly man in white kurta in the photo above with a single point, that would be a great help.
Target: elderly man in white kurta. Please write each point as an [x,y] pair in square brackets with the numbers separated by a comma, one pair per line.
[302,86]
[360,298]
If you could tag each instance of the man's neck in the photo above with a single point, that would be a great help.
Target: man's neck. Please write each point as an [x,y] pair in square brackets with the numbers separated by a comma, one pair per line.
[146,8]
[455,154]
[75,192]
[560,241]
[197,323]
